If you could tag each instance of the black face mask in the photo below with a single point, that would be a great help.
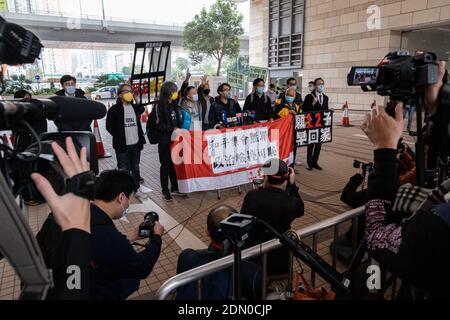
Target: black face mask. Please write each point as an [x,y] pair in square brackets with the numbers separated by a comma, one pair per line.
[206,91]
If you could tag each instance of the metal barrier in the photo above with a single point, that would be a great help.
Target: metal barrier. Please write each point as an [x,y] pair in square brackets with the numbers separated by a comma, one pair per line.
[224,263]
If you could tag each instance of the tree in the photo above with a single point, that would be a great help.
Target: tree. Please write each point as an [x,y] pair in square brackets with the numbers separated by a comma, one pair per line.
[17,83]
[126,70]
[214,33]
[108,80]
[182,64]
[240,64]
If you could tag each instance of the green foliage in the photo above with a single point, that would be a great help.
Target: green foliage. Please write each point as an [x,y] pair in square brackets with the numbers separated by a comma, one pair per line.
[240,64]
[44,91]
[214,33]
[17,83]
[106,80]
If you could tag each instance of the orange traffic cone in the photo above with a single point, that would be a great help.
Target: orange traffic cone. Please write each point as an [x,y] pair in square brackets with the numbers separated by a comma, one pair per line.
[345,116]
[101,153]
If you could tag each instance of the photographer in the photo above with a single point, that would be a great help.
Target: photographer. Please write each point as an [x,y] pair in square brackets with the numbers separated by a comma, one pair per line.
[418,250]
[74,242]
[278,203]
[116,267]
[218,285]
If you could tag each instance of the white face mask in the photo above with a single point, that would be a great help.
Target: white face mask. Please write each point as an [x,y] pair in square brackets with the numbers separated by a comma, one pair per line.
[125,211]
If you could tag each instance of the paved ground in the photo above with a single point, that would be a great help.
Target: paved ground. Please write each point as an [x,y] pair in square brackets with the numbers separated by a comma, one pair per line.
[186,218]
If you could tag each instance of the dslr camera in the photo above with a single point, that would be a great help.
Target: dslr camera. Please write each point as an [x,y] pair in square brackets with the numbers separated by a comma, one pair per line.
[365,167]
[400,77]
[146,228]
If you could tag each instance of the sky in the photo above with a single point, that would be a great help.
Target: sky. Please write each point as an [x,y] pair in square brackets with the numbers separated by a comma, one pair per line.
[178,11]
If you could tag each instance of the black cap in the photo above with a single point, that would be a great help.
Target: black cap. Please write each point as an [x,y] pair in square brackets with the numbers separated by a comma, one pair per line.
[276,169]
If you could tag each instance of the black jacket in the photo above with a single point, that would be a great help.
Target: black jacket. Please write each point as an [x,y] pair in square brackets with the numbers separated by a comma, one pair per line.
[167,121]
[61,250]
[115,125]
[116,267]
[219,109]
[73,125]
[417,251]
[278,208]
[210,116]
[217,286]
[262,106]
[308,103]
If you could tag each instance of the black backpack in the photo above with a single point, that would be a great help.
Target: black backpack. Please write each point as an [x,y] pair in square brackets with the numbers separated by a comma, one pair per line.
[152,121]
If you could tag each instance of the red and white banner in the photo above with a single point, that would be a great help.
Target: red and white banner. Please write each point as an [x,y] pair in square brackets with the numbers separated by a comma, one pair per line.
[219,159]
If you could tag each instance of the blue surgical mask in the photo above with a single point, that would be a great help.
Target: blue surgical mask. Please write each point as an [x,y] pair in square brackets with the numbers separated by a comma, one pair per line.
[71,90]
[260,90]
[321,88]
[290,99]
[195,97]
[227,94]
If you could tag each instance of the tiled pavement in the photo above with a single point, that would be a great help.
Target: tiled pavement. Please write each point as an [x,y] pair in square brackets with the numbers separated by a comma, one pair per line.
[320,191]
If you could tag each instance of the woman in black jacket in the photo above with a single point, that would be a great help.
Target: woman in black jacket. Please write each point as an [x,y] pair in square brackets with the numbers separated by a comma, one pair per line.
[123,122]
[166,124]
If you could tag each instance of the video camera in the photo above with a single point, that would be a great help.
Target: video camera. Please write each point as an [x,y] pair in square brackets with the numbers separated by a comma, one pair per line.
[20,46]
[146,228]
[400,77]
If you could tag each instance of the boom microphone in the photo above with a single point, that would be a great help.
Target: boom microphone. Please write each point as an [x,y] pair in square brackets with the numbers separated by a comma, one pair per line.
[54,108]
[77,109]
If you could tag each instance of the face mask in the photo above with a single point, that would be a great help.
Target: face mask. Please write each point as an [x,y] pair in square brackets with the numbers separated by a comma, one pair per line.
[260,90]
[311,88]
[125,211]
[127,97]
[71,90]
[195,97]
[289,99]
[207,92]
[174,96]
[293,86]
[227,94]
[321,88]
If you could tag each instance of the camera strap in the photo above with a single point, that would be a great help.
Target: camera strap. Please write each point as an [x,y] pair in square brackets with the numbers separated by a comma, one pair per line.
[82,185]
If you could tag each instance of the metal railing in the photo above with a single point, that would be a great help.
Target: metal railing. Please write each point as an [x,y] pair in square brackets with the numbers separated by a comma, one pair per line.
[224,263]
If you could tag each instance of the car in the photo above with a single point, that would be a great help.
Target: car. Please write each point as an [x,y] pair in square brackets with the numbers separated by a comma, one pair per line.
[104,93]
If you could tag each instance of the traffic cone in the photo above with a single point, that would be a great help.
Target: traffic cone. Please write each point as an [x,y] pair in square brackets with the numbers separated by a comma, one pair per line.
[101,153]
[144,116]
[345,116]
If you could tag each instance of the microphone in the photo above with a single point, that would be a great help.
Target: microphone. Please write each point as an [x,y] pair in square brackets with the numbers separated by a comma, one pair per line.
[78,109]
[54,108]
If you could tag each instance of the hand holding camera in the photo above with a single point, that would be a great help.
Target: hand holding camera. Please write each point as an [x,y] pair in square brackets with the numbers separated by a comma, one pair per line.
[63,206]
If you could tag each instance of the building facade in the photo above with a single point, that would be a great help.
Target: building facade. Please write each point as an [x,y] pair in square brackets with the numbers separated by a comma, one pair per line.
[308,39]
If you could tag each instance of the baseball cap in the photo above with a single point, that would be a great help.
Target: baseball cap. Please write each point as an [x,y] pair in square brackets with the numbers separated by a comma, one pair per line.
[276,168]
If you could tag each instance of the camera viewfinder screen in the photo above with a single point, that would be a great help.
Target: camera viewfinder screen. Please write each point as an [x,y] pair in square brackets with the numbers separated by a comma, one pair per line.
[365,76]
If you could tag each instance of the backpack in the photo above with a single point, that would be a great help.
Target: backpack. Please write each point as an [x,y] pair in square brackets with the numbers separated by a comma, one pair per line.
[152,130]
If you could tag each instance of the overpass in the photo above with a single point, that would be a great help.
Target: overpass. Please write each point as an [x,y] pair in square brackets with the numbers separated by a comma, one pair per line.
[99,33]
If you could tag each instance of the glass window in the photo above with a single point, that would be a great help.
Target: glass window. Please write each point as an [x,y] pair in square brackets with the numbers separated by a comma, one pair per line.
[286,21]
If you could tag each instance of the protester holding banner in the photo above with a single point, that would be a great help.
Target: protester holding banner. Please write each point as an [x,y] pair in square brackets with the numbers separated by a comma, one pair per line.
[190,113]
[206,102]
[291,82]
[315,101]
[289,108]
[224,106]
[258,102]
[166,124]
